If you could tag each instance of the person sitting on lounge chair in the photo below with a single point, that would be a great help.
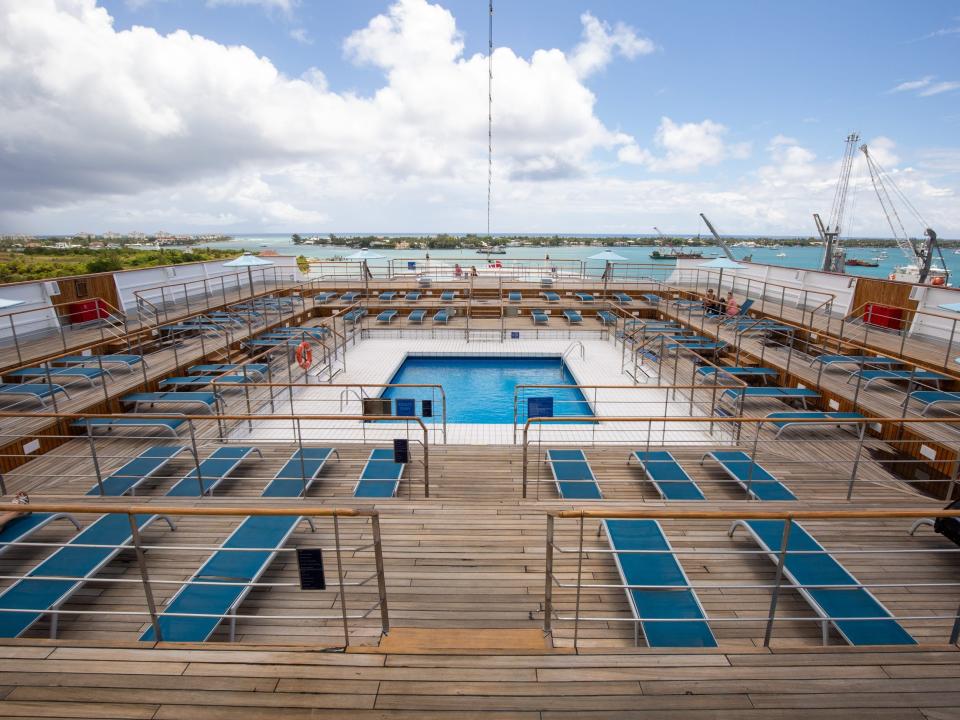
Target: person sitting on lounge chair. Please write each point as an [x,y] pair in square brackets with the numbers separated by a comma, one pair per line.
[733,308]
[20,498]
[711,304]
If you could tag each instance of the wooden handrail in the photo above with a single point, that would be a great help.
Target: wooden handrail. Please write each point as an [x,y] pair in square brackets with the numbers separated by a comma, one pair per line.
[747,514]
[100,508]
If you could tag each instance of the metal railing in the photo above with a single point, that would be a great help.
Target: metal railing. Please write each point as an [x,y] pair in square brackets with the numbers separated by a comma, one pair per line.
[841,459]
[150,577]
[557,580]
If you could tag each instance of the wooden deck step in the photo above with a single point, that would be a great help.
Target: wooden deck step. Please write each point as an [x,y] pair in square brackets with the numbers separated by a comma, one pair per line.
[409,640]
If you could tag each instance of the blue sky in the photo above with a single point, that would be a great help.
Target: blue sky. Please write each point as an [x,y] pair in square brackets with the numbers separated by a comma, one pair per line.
[695,105]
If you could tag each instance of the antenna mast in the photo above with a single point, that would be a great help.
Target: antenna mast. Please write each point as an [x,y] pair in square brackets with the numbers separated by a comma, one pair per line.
[489,116]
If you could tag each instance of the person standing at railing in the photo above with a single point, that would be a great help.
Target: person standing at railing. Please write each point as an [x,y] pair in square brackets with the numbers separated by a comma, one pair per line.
[732,306]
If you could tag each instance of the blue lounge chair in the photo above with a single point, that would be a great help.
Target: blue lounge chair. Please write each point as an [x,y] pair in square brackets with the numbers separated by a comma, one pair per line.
[126,361]
[416,317]
[412,296]
[933,398]
[179,622]
[550,296]
[349,297]
[781,393]
[859,360]
[386,316]
[295,477]
[584,297]
[515,297]
[170,425]
[380,477]
[216,468]
[918,376]
[758,483]
[539,317]
[739,372]
[448,295]
[622,298]
[87,374]
[573,317]
[784,420]
[207,399]
[666,475]
[254,370]
[79,562]
[698,347]
[606,317]
[573,475]
[387,296]
[742,312]
[324,298]
[40,392]
[651,298]
[442,316]
[843,598]
[137,471]
[676,616]
[355,316]
[21,528]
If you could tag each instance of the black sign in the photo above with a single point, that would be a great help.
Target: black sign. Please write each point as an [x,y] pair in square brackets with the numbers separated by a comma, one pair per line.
[427,408]
[406,407]
[310,563]
[539,407]
[401,451]
[514,334]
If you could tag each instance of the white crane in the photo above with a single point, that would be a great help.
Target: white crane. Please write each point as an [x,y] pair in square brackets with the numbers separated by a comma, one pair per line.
[833,255]
[919,253]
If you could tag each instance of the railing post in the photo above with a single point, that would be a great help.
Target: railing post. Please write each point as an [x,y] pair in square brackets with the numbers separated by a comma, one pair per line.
[781,561]
[343,597]
[548,580]
[196,455]
[145,578]
[93,456]
[526,428]
[426,462]
[955,631]
[381,576]
[856,460]
[576,613]
[13,334]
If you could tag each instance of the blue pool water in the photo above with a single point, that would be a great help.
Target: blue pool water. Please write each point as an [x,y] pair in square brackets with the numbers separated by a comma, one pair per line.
[480,389]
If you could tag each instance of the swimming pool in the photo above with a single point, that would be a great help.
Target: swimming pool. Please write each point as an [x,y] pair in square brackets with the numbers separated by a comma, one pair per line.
[480,389]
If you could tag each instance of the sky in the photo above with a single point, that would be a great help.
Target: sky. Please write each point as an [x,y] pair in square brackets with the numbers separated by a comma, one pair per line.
[609,116]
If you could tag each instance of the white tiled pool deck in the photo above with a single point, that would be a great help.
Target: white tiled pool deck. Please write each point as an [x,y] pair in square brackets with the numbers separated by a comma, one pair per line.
[374,361]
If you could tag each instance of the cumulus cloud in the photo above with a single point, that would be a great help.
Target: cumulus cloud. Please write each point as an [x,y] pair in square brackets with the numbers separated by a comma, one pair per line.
[685,147]
[91,110]
[600,42]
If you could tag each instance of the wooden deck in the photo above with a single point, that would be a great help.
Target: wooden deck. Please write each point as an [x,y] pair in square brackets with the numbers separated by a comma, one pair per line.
[465,583]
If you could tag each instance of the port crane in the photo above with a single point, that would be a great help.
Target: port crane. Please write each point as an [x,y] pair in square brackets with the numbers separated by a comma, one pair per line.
[919,253]
[720,241]
[834,257]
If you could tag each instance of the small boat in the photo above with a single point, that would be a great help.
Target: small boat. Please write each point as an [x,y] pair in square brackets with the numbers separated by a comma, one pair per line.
[858,262]
[676,255]
[781,254]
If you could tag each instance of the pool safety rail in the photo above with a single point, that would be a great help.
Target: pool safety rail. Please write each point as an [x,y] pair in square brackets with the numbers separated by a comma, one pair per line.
[842,450]
[567,587]
[625,400]
[353,560]
[198,431]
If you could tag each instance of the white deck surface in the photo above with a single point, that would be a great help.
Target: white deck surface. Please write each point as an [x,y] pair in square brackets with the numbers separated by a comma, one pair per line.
[375,361]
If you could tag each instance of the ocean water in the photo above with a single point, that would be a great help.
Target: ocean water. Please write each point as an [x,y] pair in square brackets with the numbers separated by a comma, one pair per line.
[806,258]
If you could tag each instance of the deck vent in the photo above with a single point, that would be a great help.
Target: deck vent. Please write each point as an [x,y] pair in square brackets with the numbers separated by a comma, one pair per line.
[876,427]
[928,452]
[833,404]
[31,447]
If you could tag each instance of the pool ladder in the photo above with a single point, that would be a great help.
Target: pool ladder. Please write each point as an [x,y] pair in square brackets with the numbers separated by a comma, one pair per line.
[573,346]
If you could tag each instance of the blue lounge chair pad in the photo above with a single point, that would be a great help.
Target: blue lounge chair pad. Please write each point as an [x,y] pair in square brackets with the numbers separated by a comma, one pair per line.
[762,484]
[671,479]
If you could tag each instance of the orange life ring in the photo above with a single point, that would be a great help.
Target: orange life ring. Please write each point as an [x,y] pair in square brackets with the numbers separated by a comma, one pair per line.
[304,355]
[937,281]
